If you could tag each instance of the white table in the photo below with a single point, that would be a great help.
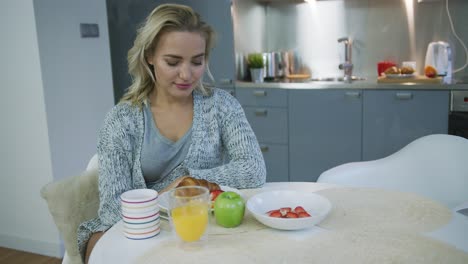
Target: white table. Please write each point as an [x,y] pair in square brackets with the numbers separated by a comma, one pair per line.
[113,247]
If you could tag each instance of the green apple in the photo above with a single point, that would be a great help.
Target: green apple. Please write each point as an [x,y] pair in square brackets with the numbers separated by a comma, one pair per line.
[229,209]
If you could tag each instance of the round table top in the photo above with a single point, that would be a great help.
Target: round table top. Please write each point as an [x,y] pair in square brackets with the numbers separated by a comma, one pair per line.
[356,225]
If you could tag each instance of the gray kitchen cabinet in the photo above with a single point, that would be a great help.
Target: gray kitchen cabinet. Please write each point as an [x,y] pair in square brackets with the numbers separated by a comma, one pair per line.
[394,118]
[267,112]
[276,161]
[324,131]
[222,57]
[270,124]
[262,97]
[125,16]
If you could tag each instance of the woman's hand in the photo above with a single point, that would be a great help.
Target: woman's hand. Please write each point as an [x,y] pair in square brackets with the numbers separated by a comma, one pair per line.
[174,184]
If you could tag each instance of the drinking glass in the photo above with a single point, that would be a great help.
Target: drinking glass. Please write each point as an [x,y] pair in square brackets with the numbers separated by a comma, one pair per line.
[189,211]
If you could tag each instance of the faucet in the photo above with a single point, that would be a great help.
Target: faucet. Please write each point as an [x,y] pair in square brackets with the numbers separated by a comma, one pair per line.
[347,65]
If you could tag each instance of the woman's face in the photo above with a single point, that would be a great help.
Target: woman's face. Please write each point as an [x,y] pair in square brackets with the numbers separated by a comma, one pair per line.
[179,63]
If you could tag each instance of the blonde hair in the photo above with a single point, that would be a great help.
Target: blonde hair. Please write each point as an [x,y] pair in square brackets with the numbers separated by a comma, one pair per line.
[164,18]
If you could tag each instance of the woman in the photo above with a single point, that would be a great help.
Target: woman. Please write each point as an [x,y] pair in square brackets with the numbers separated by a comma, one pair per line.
[169,125]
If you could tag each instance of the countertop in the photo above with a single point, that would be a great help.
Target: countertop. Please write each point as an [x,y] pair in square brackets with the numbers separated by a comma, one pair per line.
[365,84]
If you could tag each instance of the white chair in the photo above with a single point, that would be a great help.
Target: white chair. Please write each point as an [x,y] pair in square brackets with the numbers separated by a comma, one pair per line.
[71,201]
[435,166]
[92,165]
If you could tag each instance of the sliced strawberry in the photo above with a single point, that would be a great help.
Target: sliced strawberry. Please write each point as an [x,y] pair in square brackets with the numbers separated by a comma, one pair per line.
[285,210]
[291,215]
[299,209]
[275,213]
[303,214]
[214,194]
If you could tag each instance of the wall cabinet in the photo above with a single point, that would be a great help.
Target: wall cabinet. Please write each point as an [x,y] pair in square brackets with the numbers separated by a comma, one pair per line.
[324,131]
[267,112]
[394,118]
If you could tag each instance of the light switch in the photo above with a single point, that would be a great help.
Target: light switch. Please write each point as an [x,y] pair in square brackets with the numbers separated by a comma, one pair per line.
[89,30]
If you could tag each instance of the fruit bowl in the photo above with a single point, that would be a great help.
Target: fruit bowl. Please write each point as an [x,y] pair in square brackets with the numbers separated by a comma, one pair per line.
[316,205]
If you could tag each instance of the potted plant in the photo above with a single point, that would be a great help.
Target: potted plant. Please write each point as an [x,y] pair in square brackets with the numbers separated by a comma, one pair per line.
[256,64]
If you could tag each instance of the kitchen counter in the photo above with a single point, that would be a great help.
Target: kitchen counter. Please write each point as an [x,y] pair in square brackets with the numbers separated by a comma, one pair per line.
[366,84]
[295,122]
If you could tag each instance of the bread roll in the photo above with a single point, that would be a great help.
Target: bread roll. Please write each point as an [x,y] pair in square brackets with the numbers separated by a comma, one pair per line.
[190,181]
[392,70]
[407,70]
[204,183]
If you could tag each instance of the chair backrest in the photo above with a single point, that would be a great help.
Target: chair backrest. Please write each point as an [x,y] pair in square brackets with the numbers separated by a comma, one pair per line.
[93,163]
[435,166]
[71,201]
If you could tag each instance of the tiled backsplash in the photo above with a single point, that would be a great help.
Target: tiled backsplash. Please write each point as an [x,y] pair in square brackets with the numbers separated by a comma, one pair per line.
[381,29]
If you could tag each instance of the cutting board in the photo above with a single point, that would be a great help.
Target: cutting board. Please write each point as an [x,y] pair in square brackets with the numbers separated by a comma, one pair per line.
[298,76]
[413,79]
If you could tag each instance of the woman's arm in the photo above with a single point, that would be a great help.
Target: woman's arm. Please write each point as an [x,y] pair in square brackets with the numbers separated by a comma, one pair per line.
[246,167]
[115,159]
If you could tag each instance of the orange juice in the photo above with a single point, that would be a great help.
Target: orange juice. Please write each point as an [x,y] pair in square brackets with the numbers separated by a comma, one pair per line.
[190,221]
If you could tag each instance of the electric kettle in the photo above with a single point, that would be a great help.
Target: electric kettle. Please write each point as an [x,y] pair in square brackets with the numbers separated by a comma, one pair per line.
[439,56]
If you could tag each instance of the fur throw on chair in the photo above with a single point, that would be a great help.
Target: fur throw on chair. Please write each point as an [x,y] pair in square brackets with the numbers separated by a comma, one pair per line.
[72,201]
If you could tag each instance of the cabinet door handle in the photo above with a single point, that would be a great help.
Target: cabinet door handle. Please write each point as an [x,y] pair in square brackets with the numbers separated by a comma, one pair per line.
[404,96]
[261,112]
[264,148]
[260,93]
[353,94]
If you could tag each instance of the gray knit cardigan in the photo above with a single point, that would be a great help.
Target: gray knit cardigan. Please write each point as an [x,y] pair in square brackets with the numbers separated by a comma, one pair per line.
[220,130]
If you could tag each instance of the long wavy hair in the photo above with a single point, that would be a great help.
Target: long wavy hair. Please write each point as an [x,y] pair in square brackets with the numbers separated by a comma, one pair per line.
[164,18]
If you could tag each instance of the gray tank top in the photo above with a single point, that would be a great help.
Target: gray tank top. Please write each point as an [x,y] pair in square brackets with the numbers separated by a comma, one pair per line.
[160,155]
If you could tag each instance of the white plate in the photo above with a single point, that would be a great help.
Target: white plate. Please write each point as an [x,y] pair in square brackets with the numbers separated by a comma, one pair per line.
[316,205]
[400,76]
[164,198]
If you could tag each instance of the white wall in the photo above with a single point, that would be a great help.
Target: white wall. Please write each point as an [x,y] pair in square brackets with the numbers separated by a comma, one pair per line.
[56,89]
[25,159]
[77,79]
